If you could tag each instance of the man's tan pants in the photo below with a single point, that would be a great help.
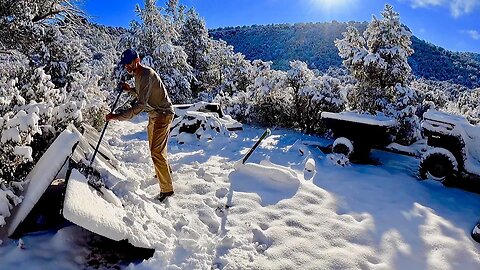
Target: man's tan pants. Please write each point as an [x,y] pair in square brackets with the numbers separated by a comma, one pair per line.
[158,130]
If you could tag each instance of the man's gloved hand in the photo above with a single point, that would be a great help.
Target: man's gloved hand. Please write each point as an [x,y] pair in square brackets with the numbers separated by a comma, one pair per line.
[111,116]
[125,87]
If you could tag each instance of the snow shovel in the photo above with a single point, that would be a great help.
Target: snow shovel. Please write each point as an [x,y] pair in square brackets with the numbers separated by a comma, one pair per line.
[94,179]
[264,135]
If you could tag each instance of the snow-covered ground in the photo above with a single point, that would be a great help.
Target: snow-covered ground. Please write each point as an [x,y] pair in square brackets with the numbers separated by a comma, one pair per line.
[289,207]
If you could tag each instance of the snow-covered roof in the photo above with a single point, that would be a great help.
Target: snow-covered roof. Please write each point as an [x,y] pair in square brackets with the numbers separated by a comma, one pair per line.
[43,174]
[375,120]
[445,117]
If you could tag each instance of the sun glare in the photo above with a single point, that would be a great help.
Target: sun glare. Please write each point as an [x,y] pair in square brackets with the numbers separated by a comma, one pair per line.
[329,5]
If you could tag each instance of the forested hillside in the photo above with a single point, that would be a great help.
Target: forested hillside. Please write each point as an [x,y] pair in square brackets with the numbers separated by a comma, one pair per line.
[313,43]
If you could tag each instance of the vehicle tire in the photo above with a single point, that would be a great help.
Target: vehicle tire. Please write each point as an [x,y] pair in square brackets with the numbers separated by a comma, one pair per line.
[439,166]
[342,145]
[476,233]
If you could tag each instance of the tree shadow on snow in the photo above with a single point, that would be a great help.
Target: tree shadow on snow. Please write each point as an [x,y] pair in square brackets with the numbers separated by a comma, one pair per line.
[400,205]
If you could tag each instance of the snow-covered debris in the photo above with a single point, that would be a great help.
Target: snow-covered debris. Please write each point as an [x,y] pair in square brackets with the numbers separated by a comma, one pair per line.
[338,159]
[201,121]
[374,120]
[415,149]
[310,165]
[43,174]
[300,147]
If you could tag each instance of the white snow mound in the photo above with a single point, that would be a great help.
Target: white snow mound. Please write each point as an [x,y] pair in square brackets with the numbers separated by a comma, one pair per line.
[85,208]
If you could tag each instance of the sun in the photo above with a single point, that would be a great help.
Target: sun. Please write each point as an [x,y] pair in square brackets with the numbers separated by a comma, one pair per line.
[331,4]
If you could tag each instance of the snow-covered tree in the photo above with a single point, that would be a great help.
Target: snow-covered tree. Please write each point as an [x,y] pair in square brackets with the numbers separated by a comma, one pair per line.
[23,22]
[378,61]
[154,38]
[404,109]
[229,72]
[195,41]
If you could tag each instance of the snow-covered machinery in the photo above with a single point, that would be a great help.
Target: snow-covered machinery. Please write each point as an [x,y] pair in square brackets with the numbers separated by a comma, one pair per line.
[202,121]
[356,134]
[455,147]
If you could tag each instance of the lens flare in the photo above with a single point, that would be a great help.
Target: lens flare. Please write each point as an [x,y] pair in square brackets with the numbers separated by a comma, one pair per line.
[329,5]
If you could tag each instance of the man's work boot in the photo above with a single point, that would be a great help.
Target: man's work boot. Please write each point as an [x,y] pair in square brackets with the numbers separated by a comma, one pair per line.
[163,195]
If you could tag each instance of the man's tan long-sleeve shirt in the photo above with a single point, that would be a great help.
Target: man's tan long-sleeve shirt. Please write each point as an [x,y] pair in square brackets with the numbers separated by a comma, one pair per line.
[152,97]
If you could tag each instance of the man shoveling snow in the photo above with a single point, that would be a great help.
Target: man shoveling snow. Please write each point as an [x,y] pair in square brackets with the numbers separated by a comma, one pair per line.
[152,97]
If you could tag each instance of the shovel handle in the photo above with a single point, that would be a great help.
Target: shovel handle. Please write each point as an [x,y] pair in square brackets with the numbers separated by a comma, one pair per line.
[105,126]
[265,134]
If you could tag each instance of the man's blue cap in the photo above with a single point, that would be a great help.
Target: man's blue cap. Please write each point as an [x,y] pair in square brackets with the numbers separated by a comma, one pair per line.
[128,56]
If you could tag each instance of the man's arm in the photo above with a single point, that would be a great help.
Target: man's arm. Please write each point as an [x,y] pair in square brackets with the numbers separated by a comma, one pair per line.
[142,99]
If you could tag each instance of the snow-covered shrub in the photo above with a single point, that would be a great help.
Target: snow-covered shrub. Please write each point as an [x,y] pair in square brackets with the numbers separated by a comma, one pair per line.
[311,95]
[321,94]
[404,110]
[17,132]
[271,96]
[468,105]
[299,76]
[86,91]
[238,105]
[8,200]
[266,101]
[57,66]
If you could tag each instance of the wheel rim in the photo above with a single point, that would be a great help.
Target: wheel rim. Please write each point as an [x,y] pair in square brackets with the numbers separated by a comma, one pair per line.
[437,172]
[341,149]
[430,176]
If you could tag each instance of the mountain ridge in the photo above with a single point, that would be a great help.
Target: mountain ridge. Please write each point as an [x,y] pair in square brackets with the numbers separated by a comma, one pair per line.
[313,43]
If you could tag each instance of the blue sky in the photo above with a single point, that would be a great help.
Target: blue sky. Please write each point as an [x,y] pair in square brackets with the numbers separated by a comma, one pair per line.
[452,24]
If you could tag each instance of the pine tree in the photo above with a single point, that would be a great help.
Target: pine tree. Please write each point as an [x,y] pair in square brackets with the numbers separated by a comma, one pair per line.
[195,41]
[378,61]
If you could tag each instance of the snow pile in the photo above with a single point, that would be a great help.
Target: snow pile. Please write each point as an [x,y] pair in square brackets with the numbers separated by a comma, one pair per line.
[84,207]
[272,182]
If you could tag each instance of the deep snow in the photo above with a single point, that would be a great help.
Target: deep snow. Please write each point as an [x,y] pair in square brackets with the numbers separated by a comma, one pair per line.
[275,212]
